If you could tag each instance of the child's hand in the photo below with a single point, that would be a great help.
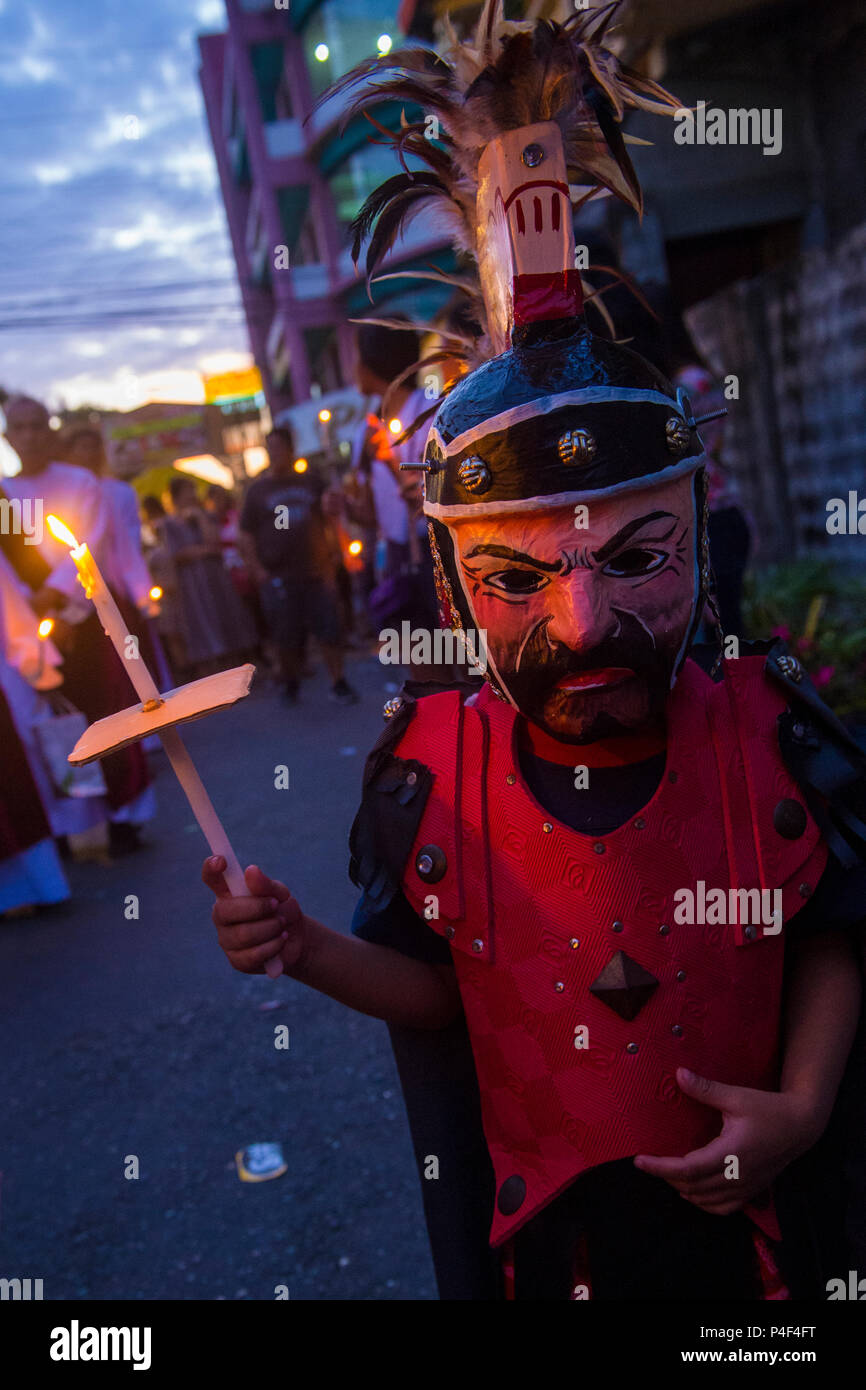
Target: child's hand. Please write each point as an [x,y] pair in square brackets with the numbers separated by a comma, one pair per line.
[254,930]
[763,1130]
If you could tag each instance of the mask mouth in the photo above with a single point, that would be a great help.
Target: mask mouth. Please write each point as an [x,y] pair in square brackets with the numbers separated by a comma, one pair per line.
[601,678]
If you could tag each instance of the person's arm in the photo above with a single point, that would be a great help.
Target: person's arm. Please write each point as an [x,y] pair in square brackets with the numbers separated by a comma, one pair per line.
[372,979]
[246,538]
[767,1130]
[89,522]
[821,1012]
[247,551]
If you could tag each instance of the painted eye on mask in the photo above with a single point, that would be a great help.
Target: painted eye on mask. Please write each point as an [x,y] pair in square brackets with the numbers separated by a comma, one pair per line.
[635,563]
[517,581]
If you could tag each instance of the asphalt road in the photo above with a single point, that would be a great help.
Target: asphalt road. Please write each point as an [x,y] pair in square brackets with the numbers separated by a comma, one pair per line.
[123,1037]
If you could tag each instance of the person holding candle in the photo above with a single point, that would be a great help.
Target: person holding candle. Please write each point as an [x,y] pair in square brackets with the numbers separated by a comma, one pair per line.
[31,874]
[30,672]
[95,680]
[121,555]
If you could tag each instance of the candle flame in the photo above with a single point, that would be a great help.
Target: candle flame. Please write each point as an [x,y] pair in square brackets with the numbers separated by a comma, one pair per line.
[156,593]
[46,627]
[324,416]
[61,532]
[355,547]
[395,425]
[301,465]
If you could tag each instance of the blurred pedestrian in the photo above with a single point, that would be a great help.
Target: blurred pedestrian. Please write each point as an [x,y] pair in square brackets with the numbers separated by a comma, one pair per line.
[221,505]
[290,553]
[30,675]
[94,678]
[216,628]
[31,874]
[121,557]
[729,534]
[406,590]
[163,576]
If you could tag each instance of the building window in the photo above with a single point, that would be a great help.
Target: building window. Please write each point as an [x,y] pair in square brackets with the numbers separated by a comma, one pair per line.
[285,103]
[340,33]
[298,224]
[267,61]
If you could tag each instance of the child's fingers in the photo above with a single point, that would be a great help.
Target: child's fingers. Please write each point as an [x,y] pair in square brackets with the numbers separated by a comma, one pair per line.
[250,935]
[254,958]
[212,875]
[261,886]
[692,1167]
[228,912]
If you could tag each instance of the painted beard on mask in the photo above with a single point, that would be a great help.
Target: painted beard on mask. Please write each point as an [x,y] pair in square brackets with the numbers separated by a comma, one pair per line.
[584,628]
[622,684]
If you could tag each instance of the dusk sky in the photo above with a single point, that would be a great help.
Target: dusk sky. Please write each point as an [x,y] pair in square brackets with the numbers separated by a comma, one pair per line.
[116,272]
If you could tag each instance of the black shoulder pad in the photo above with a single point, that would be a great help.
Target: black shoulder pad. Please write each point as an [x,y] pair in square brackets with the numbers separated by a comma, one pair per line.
[707,654]
[464,681]
[395,792]
[828,765]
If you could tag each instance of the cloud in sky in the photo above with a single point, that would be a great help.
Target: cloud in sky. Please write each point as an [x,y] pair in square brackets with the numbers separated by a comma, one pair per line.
[116,259]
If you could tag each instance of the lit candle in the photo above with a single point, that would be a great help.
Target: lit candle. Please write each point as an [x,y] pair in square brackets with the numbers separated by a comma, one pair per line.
[44,631]
[96,589]
[182,764]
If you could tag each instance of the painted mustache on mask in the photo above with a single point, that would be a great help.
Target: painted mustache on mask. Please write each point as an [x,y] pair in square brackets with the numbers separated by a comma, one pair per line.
[540,667]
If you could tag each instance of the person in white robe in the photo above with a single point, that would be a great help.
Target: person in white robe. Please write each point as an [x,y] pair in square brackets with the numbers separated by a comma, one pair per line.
[93,678]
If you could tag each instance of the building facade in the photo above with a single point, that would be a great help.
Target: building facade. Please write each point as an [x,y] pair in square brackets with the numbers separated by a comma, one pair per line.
[292,180]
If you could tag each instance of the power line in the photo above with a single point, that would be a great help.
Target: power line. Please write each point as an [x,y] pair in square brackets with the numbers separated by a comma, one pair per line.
[77,297]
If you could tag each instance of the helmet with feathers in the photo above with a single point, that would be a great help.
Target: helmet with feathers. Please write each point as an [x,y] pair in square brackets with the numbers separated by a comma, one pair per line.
[528,127]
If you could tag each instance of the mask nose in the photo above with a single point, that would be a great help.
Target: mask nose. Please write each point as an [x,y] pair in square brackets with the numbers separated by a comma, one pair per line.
[582,616]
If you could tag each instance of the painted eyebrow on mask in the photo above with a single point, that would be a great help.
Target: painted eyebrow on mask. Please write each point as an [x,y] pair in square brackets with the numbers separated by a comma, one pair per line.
[610,547]
[504,552]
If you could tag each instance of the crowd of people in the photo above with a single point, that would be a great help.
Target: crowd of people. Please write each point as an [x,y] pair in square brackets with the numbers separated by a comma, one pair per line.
[204,579]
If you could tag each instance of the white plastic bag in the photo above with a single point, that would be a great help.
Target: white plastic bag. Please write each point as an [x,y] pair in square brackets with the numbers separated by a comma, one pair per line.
[56,738]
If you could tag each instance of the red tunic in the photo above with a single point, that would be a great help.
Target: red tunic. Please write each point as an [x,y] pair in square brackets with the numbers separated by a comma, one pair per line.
[535,912]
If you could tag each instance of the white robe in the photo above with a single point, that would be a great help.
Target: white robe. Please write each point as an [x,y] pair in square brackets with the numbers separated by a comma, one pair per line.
[121,559]
[76,497]
[28,665]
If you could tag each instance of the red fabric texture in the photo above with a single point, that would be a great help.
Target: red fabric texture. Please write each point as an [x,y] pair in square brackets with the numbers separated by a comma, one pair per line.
[95,681]
[516,895]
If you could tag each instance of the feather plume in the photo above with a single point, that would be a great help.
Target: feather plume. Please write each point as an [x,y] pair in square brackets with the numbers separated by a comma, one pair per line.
[506,75]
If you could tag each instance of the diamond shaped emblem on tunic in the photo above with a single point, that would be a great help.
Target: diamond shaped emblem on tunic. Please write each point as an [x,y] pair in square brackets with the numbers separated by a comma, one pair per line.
[624,985]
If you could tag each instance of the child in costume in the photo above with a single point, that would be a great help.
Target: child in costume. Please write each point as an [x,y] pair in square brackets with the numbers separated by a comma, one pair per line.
[606,892]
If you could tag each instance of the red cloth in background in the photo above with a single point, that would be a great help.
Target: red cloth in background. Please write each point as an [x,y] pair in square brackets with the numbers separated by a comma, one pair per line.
[23,821]
[95,681]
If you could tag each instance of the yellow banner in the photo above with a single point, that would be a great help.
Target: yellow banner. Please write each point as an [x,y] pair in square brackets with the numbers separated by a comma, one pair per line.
[229,385]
